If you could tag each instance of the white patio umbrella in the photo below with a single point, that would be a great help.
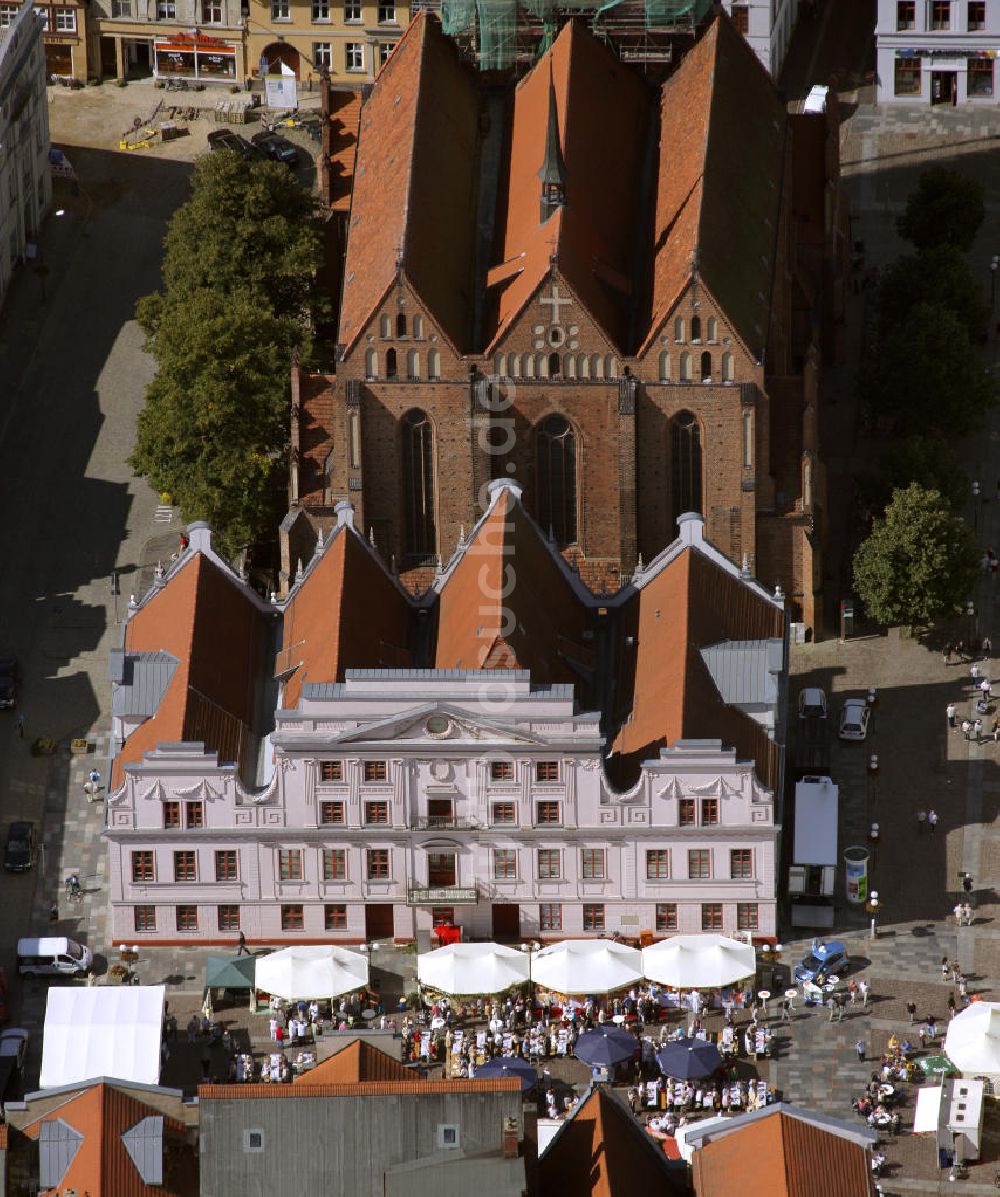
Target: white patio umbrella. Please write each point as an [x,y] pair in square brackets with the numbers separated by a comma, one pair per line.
[686,961]
[972,1043]
[309,971]
[586,966]
[472,968]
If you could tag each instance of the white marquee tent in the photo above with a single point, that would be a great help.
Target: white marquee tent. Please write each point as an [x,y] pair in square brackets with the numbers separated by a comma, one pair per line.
[309,971]
[102,1031]
[586,966]
[708,961]
[472,968]
[973,1040]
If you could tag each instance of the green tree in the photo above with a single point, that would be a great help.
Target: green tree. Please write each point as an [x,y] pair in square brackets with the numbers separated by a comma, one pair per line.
[919,563]
[945,209]
[938,276]
[932,463]
[928,377]
[239,297]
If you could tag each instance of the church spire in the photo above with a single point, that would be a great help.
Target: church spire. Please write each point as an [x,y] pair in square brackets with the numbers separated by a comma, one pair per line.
[553,171]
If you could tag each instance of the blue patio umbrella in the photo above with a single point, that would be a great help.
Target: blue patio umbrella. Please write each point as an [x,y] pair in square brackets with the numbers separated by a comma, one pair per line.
[502,1066]
[607,1046]
[688,1059]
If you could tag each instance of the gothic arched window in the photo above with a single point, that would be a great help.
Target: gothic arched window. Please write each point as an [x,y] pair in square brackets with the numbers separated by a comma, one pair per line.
[685,464]
[555,365]
[418,484]
[371,363]
[390,363]
[706,367]
[433,364]
[696,328]
[557,479]
[401,324]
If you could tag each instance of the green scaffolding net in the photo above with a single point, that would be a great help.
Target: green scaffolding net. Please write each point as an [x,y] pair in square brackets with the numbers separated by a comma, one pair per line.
[494,22]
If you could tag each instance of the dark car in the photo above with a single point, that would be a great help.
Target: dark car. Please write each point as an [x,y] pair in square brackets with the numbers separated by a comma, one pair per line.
[19,855]
[277,147]
[8,682]
[226,139]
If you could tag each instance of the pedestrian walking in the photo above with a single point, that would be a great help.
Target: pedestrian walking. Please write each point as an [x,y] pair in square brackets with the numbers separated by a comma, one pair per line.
[987,647]
[54,913]
[951,1005]
[911,1009]
[921,819]
[984,688]
[958,912]
[859,1047]
[19,725]
[946,653]
[852,992]
[865,990]
[945,968]
[931,1027]
[960,650]
[786,1010]
[963,988]
[243,950]
[974,672]
[977,727]
[932,821]
[966,728]
[951,709]
[967,914]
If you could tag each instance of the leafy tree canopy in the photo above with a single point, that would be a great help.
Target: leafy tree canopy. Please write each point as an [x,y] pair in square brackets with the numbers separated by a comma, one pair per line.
[938,276]
[239,297]
[932,463]
[928,377]
[945,209]
[920,562]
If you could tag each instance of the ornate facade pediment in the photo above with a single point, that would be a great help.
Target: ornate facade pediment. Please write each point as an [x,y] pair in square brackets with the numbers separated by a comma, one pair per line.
[439,725]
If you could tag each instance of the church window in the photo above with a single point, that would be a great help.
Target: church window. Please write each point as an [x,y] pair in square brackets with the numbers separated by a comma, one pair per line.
[727,367]
[371,363]
[584,366]
[706,367]
[515,366]
[401,325]
[713,329]
[679,329]
[434,364]
[569,365]
[612,366]
[557,479]
[328,467]
[418,327]
[528,366]
[354,439]
[385,328]
[685,367]
[556,336]
[413,365]
[747,440]
[555,365]
[664,366]
[696,329]
[501,365]
[597,366]
[418,484]
[390,363]
[685,454]
[542,366]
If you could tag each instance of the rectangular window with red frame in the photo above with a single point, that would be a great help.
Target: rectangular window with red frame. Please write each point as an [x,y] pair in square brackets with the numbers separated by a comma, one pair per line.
[331,812]
[711,916]
[550,916]
[144,918]
[227,865]
[143,866]
[229,918]
[709,812]
[548,812]
[378,864]
[194,815]
[171,815]
[593,916]
[290,864]
[292,917]
[501,770]
[187,918]
[666,916]
[331,771]
[376,814]
[746,916]
[546,771]
[185,866]
[686,813]
[335,916]
[334,864]
[375,771]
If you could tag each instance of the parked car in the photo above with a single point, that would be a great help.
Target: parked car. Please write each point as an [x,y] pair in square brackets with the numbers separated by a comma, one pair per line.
[827,957]
[14,1045]
[854,719]
[812,704]
[226,139]
[19,855]
[8,682]
[279,148]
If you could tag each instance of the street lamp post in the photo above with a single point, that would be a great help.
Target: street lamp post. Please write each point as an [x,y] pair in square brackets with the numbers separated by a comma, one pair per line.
[970,611]
[873,909]
[977,491]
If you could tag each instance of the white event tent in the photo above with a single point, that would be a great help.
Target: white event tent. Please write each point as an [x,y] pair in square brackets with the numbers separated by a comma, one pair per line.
[972,1043]
[707,961]
[472,968]
[309,971]
[102,1031]
[586,966]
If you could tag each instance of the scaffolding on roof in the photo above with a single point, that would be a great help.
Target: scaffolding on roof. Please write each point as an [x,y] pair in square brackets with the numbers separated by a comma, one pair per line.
[502,34]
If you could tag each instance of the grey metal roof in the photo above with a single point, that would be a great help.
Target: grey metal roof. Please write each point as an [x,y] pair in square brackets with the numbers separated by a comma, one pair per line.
[836,1126]
[142,680]
[745,672]
[561,690]
[144,1143]
[58,1143]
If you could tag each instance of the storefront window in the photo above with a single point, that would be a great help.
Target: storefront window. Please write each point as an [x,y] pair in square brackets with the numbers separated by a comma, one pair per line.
[907,77]
[175,63]
[215,65]
[980,76]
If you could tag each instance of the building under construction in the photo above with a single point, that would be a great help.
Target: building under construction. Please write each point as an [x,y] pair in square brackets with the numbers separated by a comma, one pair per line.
[505,35]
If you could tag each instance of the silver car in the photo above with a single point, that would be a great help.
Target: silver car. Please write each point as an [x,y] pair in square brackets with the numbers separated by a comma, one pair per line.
[854,719]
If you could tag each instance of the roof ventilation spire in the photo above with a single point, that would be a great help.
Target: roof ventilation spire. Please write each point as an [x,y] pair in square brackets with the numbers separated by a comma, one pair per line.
[553,170]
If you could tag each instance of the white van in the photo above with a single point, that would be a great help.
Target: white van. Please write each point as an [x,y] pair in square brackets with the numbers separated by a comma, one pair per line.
[52,957]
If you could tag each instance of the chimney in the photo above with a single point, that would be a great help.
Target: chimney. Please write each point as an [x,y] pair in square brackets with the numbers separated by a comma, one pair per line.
[692,527]
[510,1145]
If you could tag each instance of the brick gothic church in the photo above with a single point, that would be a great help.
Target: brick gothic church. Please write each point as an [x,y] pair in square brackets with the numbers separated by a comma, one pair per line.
[613,293]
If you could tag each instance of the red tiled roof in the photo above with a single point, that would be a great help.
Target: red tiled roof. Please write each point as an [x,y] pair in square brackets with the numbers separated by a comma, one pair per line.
[212,626]
[360,1089]
[347,613]
[345,113]
[600,102]
[665,684]
[602,1151]
[358,1061]
[790,1157]
[509,605]
[720,180]
[414,186]
[102,1166]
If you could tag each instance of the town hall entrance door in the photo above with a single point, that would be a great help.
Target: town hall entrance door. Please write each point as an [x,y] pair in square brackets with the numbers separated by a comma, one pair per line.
[506,922]
[378,921]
